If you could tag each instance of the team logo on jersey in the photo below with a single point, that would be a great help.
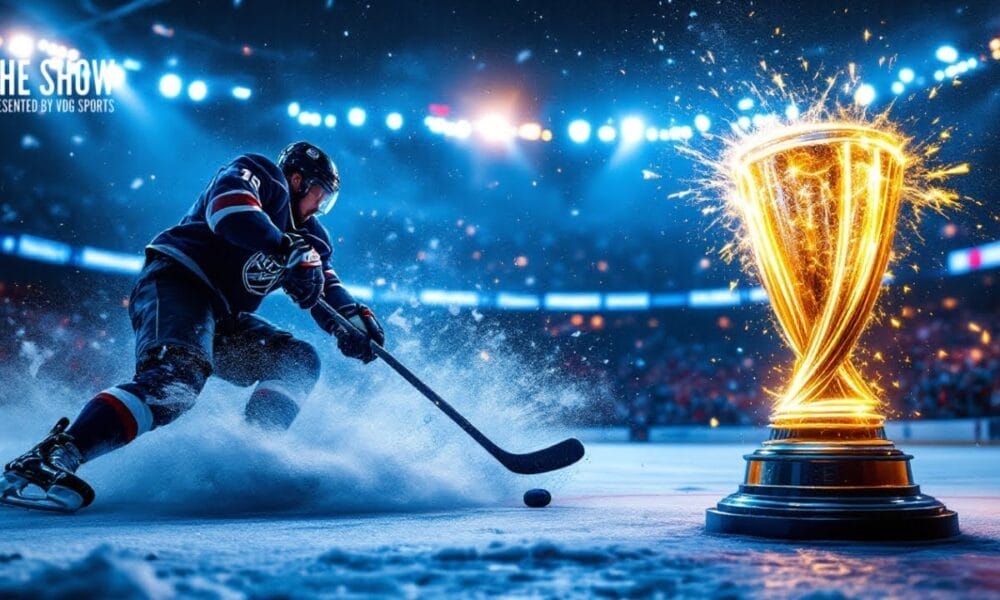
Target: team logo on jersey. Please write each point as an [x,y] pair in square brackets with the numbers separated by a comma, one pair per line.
[261,274]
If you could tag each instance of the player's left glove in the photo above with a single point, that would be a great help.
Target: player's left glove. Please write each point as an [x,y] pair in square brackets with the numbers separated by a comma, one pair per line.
[303,279]
[355,343]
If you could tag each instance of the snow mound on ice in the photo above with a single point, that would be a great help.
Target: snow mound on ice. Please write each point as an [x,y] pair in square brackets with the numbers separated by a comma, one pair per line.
[104,573]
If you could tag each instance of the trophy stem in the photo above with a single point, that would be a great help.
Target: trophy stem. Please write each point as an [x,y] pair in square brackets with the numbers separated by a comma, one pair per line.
[803,485]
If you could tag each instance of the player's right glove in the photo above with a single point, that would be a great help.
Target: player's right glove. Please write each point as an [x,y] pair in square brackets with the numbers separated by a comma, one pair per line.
[303,278]
[355,342]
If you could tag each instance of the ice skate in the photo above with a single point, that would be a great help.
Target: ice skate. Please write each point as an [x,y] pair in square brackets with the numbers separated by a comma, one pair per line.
[43,478]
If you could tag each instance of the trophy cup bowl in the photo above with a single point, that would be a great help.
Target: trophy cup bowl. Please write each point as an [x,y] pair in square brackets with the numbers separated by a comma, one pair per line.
[818,205]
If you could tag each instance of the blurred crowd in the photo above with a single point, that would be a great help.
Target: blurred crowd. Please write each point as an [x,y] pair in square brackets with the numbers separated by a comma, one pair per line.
[670,368]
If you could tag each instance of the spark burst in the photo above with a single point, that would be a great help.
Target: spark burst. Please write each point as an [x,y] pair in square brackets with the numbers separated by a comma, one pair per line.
[814,205]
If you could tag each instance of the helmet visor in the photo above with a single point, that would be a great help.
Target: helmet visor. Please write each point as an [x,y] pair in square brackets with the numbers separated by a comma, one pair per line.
[329,199]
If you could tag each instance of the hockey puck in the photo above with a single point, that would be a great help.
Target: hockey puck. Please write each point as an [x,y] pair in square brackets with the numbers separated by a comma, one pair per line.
[537,498]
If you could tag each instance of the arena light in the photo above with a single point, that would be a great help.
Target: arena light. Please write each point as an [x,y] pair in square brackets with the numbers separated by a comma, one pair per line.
[132,64]
[361,292]
[906,75]
[938,75]
[170,85]
[21,45]
[898,87]
[606,133]
[294,109]
[305,118]
[435,124]
[330,121]
[241,93]
[512,301]
[702,123]
[864,95]
[394,121]
[579,131]
[530,131]
[632,130]
[494,128]
[572,301]
[946,54]
[718,297]
[449,298]
[357,116]
[745,104]
[792,112]
[36,248]
[114,262]
[668,300]
[971,259]
[652,134]
[744,122]
[116,76]
[627,301]
[197,90]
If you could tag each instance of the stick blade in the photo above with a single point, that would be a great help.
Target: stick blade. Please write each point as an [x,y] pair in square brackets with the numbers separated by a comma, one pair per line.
[553,458]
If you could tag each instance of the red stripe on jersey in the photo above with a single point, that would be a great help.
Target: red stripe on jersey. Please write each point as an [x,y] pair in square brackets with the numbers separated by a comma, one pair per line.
[229,200]
[124,415]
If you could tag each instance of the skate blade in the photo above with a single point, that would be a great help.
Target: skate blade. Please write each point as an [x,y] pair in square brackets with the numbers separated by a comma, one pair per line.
[58,499]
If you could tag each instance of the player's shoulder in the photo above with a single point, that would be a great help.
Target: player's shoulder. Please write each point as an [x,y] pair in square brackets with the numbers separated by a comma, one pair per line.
[263,167]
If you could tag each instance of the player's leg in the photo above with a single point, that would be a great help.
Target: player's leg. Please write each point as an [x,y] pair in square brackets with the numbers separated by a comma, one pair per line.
[174,323]
[249,350]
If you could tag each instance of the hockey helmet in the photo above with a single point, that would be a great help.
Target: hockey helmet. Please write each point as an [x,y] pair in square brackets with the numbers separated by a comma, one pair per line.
[315,167]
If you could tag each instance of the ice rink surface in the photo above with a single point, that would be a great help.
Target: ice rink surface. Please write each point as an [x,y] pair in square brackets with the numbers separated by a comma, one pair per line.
[626,522]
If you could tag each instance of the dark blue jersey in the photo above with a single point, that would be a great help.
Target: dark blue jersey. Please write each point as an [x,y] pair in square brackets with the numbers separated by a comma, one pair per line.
[232,235]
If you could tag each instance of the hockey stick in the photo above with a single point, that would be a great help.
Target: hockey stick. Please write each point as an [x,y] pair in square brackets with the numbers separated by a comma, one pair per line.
[548,459]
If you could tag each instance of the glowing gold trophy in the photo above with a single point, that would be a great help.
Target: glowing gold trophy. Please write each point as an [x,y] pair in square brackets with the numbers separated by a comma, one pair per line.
[818,205]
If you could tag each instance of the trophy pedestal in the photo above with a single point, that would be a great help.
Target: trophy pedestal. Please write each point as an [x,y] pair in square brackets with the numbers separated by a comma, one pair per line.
[812,485]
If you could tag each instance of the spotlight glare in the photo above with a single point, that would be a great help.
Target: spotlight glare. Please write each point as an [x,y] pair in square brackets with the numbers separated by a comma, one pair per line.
[606,133]
[241,93]
[357,116]
[632,130]
[21,45]
[652,134]
[294,109]
[906,75]
[530,131]
[394,121]
[745,104]
[792,112]
[702,123]
[435,124]
[946,54]
[197,90]
[494,128]
[938,75]
[897,87]
[330,121]
[865,94]
[170,85]
[305,118]
[579,131]
[744,122]
[116,76]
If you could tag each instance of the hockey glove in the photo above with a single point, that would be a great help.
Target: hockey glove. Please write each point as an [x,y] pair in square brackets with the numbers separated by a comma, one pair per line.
[303,278]
[355,343]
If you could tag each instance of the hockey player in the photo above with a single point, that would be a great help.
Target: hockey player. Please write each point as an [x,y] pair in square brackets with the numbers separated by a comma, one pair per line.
[251,231]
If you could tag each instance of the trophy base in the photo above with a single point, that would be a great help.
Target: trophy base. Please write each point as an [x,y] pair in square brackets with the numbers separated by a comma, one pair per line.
[798,487]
